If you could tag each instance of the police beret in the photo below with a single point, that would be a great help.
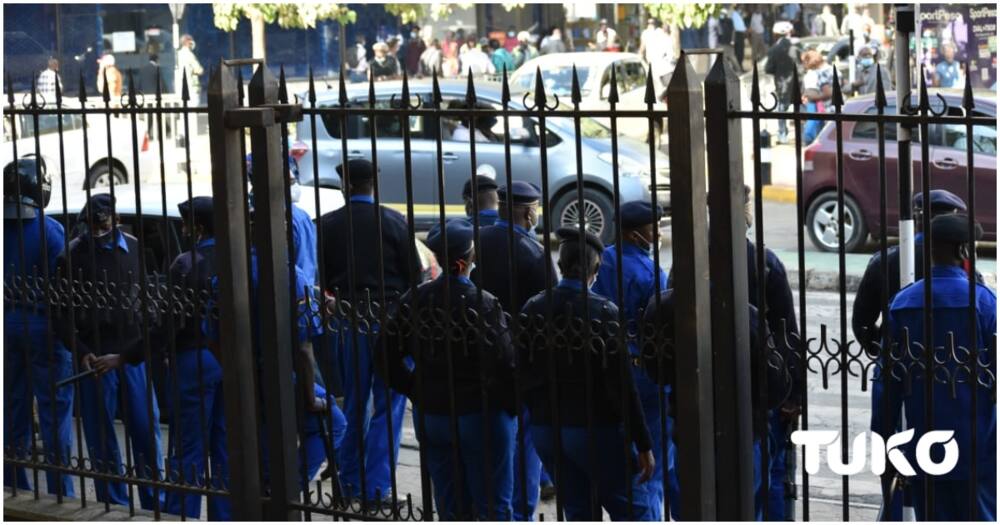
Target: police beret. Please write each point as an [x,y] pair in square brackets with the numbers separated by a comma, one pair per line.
[101,205]
[639,213]
[940,199]
[459,239]
[953,228]
[521,193]
[202,208]
[359,170]
[483,182]
[572,234]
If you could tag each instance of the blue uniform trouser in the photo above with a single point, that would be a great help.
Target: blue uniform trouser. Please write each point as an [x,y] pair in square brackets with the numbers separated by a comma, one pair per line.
[524,508]
[758,481]
[575,476]
[467,497]
[312,441]
[99,405]
[649,395]
[777,439]
[29,371]
[367,409]
[199,403]
[544,479]
[951,499]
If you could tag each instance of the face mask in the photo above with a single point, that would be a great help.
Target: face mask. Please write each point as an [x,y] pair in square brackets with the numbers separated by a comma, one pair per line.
[867,62]
[649,246]
[296,192]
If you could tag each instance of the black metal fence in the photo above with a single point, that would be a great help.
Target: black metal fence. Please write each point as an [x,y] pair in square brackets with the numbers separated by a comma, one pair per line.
[223,353]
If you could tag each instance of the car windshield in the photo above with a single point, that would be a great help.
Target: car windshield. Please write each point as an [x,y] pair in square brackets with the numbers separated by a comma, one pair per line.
[590,128]
[557,80]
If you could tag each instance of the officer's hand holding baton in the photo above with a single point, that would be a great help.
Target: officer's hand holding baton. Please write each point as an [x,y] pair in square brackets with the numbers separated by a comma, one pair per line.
[103,364]
[318,404]
[646,466]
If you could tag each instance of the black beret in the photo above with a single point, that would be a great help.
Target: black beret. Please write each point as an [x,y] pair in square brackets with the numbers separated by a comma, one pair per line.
[940,199]
[459,239]
[639,213]
[953,228]
[202,207]
[521,193]
[359,170]
[483,182]
[101,205]
[572,234]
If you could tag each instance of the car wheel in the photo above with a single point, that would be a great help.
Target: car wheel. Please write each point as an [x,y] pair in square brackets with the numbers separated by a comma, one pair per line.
[597,212]
[101,176]
[824,229]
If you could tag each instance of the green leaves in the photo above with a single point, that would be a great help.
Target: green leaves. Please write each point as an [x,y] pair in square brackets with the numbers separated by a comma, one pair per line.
[684,15]
[288,15]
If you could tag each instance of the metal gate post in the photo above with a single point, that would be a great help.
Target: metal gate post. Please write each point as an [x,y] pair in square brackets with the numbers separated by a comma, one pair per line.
[274,315]
[234,298]
[693,384]
[730,315]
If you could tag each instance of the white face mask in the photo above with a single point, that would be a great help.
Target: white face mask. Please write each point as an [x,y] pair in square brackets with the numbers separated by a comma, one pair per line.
[296,192]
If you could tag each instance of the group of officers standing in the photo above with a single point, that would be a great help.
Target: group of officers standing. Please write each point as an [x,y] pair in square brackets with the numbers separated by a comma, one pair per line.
[515,371]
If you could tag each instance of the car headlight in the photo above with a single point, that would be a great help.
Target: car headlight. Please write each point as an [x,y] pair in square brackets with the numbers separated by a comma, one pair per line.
[626,167]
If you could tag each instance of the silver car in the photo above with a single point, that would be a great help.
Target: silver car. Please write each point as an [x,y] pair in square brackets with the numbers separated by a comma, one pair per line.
[525,155]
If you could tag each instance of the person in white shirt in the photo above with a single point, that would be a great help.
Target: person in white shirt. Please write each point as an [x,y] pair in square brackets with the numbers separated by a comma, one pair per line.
[477,61]
[855,21]
[739,35]
[657,49]
[188,62]
[606,39]
[829,24]
[757,46]
[47,82]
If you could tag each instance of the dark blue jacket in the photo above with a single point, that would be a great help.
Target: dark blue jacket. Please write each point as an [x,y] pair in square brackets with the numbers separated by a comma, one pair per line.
[494,274]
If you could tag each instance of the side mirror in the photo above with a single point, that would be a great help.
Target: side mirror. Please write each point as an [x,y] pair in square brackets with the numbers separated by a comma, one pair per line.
[519,135]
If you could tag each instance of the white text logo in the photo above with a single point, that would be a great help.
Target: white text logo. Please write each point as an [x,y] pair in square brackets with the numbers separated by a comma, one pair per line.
[881,449]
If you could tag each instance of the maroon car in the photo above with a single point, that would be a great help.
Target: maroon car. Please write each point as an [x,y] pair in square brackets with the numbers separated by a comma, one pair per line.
[861,171]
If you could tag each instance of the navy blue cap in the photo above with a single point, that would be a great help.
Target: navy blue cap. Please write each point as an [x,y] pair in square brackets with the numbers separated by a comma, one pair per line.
[953,228]
[572,234]
[521,193]
[639,213]
[483,183]
[459,236]
[202,208]
[360,170]
[940,200]
[101,205]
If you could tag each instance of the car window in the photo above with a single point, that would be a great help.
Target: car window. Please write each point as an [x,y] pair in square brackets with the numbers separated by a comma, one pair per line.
[358,125]
[47,124]
[489,128]
[557,79]
[634,74]
[606,81]
[868,130]
[953,136]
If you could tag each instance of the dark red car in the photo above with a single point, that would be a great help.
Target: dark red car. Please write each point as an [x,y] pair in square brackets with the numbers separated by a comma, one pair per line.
[861,171]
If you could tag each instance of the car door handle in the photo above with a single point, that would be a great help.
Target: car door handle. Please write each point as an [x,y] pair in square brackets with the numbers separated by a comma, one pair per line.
[861,154]
[355,154]
[449,156]
[946,163]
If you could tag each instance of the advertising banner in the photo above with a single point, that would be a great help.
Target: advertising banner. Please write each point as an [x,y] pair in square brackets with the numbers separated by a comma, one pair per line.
[953,35]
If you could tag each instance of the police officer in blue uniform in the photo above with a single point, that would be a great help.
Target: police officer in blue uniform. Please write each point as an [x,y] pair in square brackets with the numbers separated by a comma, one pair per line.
[868,299]
[304,250]
[952,407]
[494,274]
[197,382]
[104,259]
[612,388]
[26,187]
[487,199]
[476,368]
[658,357]
[356,350]
[639,221]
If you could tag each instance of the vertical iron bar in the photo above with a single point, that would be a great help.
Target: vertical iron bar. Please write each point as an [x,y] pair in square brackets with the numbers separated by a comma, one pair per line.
[843,350]
[968,103]
[928,335]
[696,466]
[229,201]
[803,342]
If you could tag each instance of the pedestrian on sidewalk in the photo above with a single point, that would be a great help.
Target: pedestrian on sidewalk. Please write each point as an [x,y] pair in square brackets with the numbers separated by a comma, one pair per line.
[188,62]
[385,66]
[357,60]
[606,38]
[525,50]
[430,59]
[476,370]
[817,91]
[867,71]
[739,34]
[47,80]
[500,57]
[781,59]
[107,70]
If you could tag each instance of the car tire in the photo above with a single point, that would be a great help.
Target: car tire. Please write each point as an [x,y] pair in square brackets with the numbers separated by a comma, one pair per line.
[821,223]
[102,174]
[599,210]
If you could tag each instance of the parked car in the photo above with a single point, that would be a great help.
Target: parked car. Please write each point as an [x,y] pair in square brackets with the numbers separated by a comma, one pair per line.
[100,167]
[947,158]
[162,240]
[525,156]
[594,74]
